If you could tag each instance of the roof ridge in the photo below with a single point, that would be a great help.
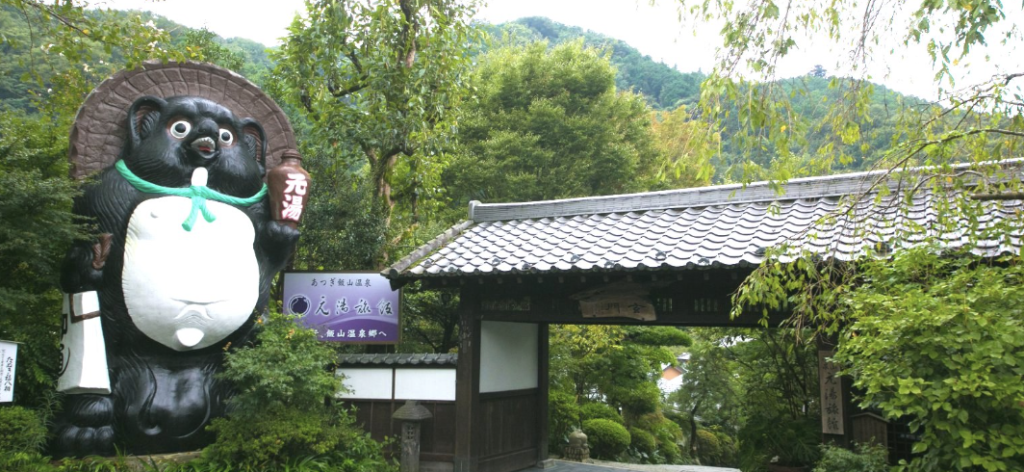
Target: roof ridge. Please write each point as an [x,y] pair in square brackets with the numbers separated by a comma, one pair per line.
[794,189]
[398,358]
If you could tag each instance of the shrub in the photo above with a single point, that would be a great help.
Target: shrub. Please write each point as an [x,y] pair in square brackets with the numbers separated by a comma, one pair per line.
[607,438]
[666,433]
[794,442]
[21,430]
[727,450]
[681,423]
[663,429]
[643,443]
[671,452]
[282,411]
[283,434]
[563,416]
[22,437]
[597,410]
[709,449]
[868,458]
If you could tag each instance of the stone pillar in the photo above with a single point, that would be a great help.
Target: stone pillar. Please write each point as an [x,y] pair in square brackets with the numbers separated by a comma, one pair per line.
[411,415]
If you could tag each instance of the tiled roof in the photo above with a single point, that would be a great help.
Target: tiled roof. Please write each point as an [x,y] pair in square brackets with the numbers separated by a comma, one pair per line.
[722,226]
[397,360]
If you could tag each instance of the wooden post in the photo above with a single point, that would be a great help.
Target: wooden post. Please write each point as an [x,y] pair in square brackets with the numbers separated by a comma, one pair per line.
[543,354]
[467,385]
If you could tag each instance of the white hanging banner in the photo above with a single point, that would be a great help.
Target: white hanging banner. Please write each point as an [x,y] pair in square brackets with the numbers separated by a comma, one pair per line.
[83,350]
[8,360]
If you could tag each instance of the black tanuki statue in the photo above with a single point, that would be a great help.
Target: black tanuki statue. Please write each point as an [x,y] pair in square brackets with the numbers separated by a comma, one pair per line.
[182,268]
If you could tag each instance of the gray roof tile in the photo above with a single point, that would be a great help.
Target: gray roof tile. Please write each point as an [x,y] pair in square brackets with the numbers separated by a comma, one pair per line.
[396,360]
[691,228]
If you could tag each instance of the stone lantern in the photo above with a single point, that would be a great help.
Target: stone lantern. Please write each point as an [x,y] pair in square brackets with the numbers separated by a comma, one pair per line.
[577,450]
[411,415]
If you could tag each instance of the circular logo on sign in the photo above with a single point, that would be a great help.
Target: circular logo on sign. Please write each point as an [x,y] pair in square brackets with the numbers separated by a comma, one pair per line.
[299,304]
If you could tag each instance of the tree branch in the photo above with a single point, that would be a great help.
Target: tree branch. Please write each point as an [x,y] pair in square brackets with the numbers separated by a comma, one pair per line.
[342,92]
[351,55]
[1009,77]
[408,36]
[63,20]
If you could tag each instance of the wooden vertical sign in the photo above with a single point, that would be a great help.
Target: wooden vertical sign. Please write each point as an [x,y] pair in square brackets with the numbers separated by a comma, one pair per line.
[8,360]
[831,394]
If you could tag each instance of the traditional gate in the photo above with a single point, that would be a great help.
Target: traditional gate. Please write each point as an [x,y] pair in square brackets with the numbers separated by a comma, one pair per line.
[668,258]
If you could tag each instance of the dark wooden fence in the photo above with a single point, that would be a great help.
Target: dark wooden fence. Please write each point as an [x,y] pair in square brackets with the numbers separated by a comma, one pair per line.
[509,421]
[437,435]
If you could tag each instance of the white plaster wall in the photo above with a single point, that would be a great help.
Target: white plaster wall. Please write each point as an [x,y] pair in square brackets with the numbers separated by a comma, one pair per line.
[425,384]
[508,356]
[367,384]
[668,386]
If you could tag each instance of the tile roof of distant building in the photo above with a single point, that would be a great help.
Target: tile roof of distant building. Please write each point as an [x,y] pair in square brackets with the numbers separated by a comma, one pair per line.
[397,360]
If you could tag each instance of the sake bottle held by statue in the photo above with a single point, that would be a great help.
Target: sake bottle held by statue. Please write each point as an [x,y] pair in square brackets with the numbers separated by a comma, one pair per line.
[288,185]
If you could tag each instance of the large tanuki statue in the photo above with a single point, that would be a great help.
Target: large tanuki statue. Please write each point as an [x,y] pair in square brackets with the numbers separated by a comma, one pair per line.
[187,251]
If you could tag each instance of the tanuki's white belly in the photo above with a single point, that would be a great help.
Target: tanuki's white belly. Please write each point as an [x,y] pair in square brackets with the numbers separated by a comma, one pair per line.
[189,289]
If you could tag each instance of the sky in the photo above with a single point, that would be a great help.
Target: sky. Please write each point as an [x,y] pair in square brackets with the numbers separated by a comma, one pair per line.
[654,30]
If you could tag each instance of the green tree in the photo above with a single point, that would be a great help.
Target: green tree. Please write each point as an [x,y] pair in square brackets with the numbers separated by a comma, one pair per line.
[927,332]
[549,124]
[380,83]
[940,340]
[806,101]
[708,390]
[688,145]
[915,326]
[663,87]
[62,50]
[975,120]
[36,229]
[757,385]
[431,321]
[619,365]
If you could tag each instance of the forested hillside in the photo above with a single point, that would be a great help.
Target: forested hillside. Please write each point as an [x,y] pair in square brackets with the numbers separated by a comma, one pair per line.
[26,69]
[809,97]
[663,87]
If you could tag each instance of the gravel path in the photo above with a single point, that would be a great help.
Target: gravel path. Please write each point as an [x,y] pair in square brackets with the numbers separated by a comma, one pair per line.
[664,467]
[606,466]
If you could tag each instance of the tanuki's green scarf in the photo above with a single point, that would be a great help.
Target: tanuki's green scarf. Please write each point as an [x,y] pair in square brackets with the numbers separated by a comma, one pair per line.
[198,193]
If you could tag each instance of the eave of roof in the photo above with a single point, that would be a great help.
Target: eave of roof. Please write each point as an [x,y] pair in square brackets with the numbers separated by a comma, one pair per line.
[396,360]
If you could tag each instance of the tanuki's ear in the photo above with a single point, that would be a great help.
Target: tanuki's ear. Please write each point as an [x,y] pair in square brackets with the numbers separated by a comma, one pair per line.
[255,140]
[142,117]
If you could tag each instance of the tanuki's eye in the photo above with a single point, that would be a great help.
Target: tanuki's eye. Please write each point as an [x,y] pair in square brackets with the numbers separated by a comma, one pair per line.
[179,129]
[226,138]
